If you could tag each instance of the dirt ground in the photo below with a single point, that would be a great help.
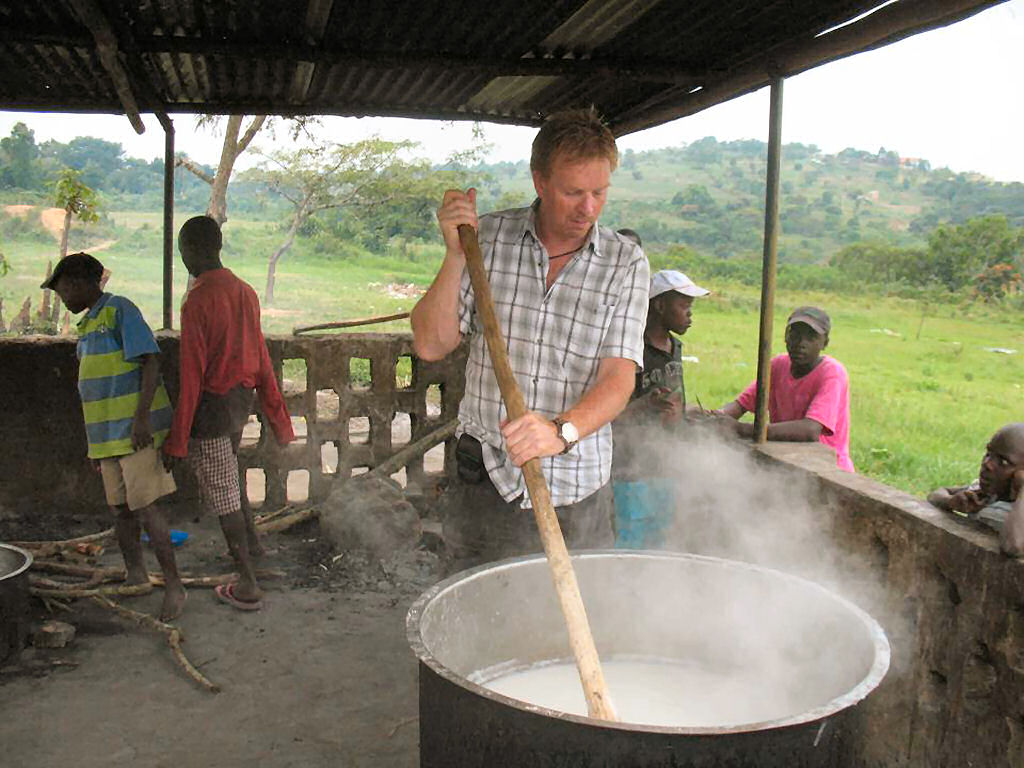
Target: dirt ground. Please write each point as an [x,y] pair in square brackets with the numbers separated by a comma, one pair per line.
[321,676]
[51,218]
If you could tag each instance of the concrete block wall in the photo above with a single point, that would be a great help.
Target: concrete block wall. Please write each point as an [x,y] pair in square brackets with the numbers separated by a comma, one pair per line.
[43,456]
[953,608]
[333,373]
[42,439]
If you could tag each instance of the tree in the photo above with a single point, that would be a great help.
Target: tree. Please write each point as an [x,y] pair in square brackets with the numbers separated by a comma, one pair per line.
[97,159]
[364,177]
[234,145]
[959,253]
[997,282]
[77,199]
[20,157]
[695,194]
[705,151]
[883,264]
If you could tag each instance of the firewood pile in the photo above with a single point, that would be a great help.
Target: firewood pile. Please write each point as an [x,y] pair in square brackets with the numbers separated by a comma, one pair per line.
[72,573]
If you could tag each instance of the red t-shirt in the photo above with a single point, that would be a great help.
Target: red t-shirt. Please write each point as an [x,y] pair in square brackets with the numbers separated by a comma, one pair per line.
[822,395]
[222,347]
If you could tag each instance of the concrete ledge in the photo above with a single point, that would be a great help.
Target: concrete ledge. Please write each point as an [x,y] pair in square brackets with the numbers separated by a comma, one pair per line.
[953,607]
[817,460]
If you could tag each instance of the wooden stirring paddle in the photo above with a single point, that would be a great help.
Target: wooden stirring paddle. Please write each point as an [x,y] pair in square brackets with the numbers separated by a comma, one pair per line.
[580,639]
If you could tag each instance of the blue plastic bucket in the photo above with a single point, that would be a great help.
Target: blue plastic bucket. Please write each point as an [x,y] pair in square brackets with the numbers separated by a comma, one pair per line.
[177,538]
[643,511]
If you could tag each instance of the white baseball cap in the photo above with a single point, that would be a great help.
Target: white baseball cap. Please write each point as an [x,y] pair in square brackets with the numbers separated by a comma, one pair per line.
[669,280]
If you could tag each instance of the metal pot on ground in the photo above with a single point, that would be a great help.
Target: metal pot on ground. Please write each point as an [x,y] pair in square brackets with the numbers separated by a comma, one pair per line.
[14,615]
[657,605]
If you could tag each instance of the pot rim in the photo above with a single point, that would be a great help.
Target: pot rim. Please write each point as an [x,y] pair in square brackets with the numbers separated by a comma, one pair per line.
[874,676]
[24,567]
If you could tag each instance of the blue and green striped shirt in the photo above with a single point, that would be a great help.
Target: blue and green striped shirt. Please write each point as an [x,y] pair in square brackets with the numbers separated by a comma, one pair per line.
[113,337]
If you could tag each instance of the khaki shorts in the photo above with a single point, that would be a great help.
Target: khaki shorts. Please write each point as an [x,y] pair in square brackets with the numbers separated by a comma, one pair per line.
[137,479]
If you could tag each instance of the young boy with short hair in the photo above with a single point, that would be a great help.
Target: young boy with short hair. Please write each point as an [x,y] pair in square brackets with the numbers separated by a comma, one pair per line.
[644,499]
[127,417]
[224,364]
[809,397]
[996,498]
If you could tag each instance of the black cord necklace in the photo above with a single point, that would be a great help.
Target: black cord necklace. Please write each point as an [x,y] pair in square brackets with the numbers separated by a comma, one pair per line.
[567,253]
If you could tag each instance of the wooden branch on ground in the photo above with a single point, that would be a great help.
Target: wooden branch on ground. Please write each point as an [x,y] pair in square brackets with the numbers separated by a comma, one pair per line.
[99,575]
[413,450]
[86,545]
[39,581]
[268,516]
[174,639]
[53,605]
[349,323]
[48,588]
[287,521]
[216,581]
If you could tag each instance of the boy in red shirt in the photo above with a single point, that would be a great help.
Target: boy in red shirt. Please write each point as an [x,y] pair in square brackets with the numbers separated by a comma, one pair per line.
[224,359]
[809,397]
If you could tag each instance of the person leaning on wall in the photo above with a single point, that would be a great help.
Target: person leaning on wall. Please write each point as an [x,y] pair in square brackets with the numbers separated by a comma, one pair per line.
[809,394]
[996,498]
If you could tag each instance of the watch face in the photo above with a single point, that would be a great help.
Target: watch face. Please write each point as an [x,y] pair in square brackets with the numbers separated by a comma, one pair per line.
[570,433]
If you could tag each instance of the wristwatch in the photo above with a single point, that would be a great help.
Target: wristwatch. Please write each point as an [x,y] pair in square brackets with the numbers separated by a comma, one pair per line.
[566,432]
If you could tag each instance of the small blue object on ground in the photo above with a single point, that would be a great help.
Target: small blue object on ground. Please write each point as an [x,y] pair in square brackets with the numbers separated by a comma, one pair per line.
[643,512]
[177,538]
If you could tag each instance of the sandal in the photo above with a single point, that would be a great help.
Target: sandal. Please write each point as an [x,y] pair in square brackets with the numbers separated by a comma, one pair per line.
[226,594]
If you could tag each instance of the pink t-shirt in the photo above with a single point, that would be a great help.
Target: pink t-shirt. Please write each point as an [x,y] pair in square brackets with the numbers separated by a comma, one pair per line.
[822,395]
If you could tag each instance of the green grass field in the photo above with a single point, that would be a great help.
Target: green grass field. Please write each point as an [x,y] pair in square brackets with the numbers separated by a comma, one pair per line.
[926,396]
[922,408]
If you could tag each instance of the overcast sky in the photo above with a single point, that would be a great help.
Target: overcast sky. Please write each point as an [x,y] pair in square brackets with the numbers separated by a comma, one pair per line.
[952,96]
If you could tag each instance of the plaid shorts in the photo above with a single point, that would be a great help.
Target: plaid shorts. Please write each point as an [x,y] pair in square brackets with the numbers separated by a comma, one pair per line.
[216,468]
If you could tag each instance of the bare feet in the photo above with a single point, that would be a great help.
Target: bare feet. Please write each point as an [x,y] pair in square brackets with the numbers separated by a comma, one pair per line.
[248,593]
[174,602]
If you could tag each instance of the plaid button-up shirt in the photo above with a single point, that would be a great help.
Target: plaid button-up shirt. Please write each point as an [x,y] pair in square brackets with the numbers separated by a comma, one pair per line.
[596,308]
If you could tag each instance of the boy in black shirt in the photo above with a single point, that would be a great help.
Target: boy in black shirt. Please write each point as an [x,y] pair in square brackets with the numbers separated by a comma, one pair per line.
[643,504]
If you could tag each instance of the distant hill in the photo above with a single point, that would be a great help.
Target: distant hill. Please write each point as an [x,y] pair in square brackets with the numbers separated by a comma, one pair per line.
[709,195]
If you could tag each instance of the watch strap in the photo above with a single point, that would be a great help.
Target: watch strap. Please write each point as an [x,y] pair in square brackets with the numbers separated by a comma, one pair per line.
[559,423]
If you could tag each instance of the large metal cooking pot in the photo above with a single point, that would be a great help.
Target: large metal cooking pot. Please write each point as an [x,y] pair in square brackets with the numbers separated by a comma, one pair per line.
[14,565]
[718,613]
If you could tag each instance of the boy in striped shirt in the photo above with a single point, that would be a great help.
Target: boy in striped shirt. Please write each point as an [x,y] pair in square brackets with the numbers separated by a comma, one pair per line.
[127,417]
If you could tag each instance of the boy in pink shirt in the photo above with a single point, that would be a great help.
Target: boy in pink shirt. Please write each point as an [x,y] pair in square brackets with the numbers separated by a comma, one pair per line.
[809,396]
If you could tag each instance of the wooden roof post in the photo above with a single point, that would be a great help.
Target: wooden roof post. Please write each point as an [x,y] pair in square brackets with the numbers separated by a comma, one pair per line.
[770,263]
[168,127]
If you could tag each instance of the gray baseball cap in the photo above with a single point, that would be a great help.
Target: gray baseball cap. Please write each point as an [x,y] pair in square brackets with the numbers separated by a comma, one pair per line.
[816,318]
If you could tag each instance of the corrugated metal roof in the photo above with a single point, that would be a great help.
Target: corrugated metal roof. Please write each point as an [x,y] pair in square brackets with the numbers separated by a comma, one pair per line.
[640,62]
